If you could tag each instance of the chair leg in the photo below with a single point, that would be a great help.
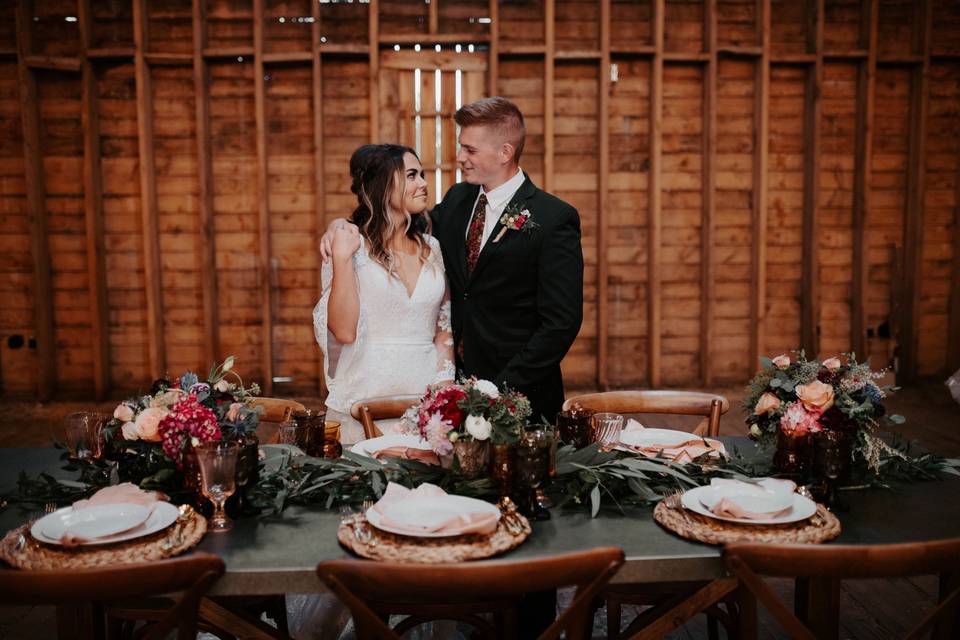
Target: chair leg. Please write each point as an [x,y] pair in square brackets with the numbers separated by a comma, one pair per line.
[613,617]
[746,618]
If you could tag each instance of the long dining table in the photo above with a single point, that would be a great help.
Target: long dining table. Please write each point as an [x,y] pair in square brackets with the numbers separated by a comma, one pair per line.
[279,554]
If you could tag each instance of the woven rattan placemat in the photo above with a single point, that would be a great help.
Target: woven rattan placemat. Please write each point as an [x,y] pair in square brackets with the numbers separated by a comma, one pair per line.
[820,527]
[19,549]
[365,540]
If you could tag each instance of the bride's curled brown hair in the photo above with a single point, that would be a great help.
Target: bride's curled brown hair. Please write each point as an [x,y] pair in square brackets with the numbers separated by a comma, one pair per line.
[377,173]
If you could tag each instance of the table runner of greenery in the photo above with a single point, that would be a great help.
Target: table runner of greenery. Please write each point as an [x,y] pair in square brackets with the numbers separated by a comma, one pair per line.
[585,478]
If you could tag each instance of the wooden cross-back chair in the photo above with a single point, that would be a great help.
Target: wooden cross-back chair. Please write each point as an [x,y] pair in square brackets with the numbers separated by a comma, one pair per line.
[463,590]
[369,411]
[277,409]
[193,575]
[672,603]
[829,564]
[687,403]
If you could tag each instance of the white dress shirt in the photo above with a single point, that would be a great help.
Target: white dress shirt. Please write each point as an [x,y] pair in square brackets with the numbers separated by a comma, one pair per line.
[497,200]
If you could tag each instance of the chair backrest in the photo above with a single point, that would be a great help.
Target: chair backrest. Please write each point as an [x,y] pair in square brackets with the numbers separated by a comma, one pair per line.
[749,561]
[193,575]
[277,409]
[368,411]
[368,588]
[690,403]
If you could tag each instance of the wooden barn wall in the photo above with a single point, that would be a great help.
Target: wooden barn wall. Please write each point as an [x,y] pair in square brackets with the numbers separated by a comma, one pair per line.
[753,176]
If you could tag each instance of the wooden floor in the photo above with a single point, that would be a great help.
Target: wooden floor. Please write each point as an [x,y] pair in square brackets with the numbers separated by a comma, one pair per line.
[871,609]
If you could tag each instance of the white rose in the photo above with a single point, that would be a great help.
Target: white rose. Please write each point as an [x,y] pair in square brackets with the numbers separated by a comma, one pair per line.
[129,431]
[487,388]
[781,362]
[478,427]
[223,386]
[832,364]
[123,413]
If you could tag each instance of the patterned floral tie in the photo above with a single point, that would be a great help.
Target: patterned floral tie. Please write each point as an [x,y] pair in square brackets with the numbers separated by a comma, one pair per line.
[475,235]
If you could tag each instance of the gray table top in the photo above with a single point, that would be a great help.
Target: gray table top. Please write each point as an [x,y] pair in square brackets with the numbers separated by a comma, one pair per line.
[279,555]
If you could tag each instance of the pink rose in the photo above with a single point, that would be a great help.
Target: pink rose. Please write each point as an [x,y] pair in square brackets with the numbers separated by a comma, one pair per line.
[768,403]
[148,423]
[800,420]
[129,431]
[816,395]
[234,411]
[831,364]
[123,413]
[782,361]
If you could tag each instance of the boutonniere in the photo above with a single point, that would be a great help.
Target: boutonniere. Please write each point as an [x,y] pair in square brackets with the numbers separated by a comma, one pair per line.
[515,219]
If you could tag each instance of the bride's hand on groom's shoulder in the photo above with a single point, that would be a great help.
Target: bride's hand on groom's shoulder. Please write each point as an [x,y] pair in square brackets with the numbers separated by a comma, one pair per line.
[326,242]
[346,241]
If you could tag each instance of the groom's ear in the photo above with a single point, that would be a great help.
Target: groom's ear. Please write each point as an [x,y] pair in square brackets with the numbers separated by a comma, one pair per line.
[506,153]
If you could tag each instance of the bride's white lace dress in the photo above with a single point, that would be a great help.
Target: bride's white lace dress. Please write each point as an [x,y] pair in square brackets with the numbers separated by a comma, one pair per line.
[404,340]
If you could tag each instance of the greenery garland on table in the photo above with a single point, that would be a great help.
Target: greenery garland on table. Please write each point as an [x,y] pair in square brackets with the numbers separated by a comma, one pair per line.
[584,477]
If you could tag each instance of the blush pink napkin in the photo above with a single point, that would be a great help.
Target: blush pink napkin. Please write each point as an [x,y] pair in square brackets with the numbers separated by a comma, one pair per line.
[728,508]
[124,493]
[425,456]
[686,451]
[477,522]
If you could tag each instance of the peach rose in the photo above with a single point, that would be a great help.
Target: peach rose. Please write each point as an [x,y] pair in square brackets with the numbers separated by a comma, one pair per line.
[123,413]
[129,431]
[816,395]
[831,364]
[148,423]
[768,403]
[782,361]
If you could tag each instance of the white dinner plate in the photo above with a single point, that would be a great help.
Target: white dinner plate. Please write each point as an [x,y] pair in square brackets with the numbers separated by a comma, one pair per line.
[802,508]
[654,438]
[51,528]
[428,513]
[748,497]
[96,521]
[371,446]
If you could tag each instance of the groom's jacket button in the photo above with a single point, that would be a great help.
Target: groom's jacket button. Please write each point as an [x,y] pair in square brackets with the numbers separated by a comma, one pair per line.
[466,295]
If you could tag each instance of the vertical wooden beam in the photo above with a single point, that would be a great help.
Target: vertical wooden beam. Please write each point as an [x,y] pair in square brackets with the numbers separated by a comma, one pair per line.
[863,159]
[761,141]
[318,163]
[207,249]
[653,196]
[709,189]
[433,19]
[93,209]
[263,207]
[374,40]
[914,215]
[148,194]
[493,68]
[953,319]
[550,43]
[603,189]
[36,208]
[810,288]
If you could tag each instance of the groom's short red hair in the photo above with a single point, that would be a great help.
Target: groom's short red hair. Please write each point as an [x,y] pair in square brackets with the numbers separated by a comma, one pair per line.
[501,115]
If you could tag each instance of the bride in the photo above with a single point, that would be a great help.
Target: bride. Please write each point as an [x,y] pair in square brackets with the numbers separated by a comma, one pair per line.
[383,320]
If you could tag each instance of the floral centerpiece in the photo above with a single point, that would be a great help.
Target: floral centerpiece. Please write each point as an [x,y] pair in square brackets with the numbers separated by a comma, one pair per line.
[461,420]
[149,436]
[801,397]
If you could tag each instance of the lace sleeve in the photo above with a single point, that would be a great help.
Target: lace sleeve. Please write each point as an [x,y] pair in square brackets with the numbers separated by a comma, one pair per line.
[444,340]
[334,353]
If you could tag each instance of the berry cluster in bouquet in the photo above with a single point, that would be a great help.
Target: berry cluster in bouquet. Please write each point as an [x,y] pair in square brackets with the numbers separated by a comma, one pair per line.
[805,397]
[148,435]
[471,410]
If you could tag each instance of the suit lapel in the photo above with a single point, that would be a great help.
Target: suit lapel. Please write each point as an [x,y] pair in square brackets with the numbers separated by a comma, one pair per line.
[491,248]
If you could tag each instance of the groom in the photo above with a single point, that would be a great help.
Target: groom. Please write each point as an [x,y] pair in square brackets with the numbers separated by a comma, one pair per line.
[513,258]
